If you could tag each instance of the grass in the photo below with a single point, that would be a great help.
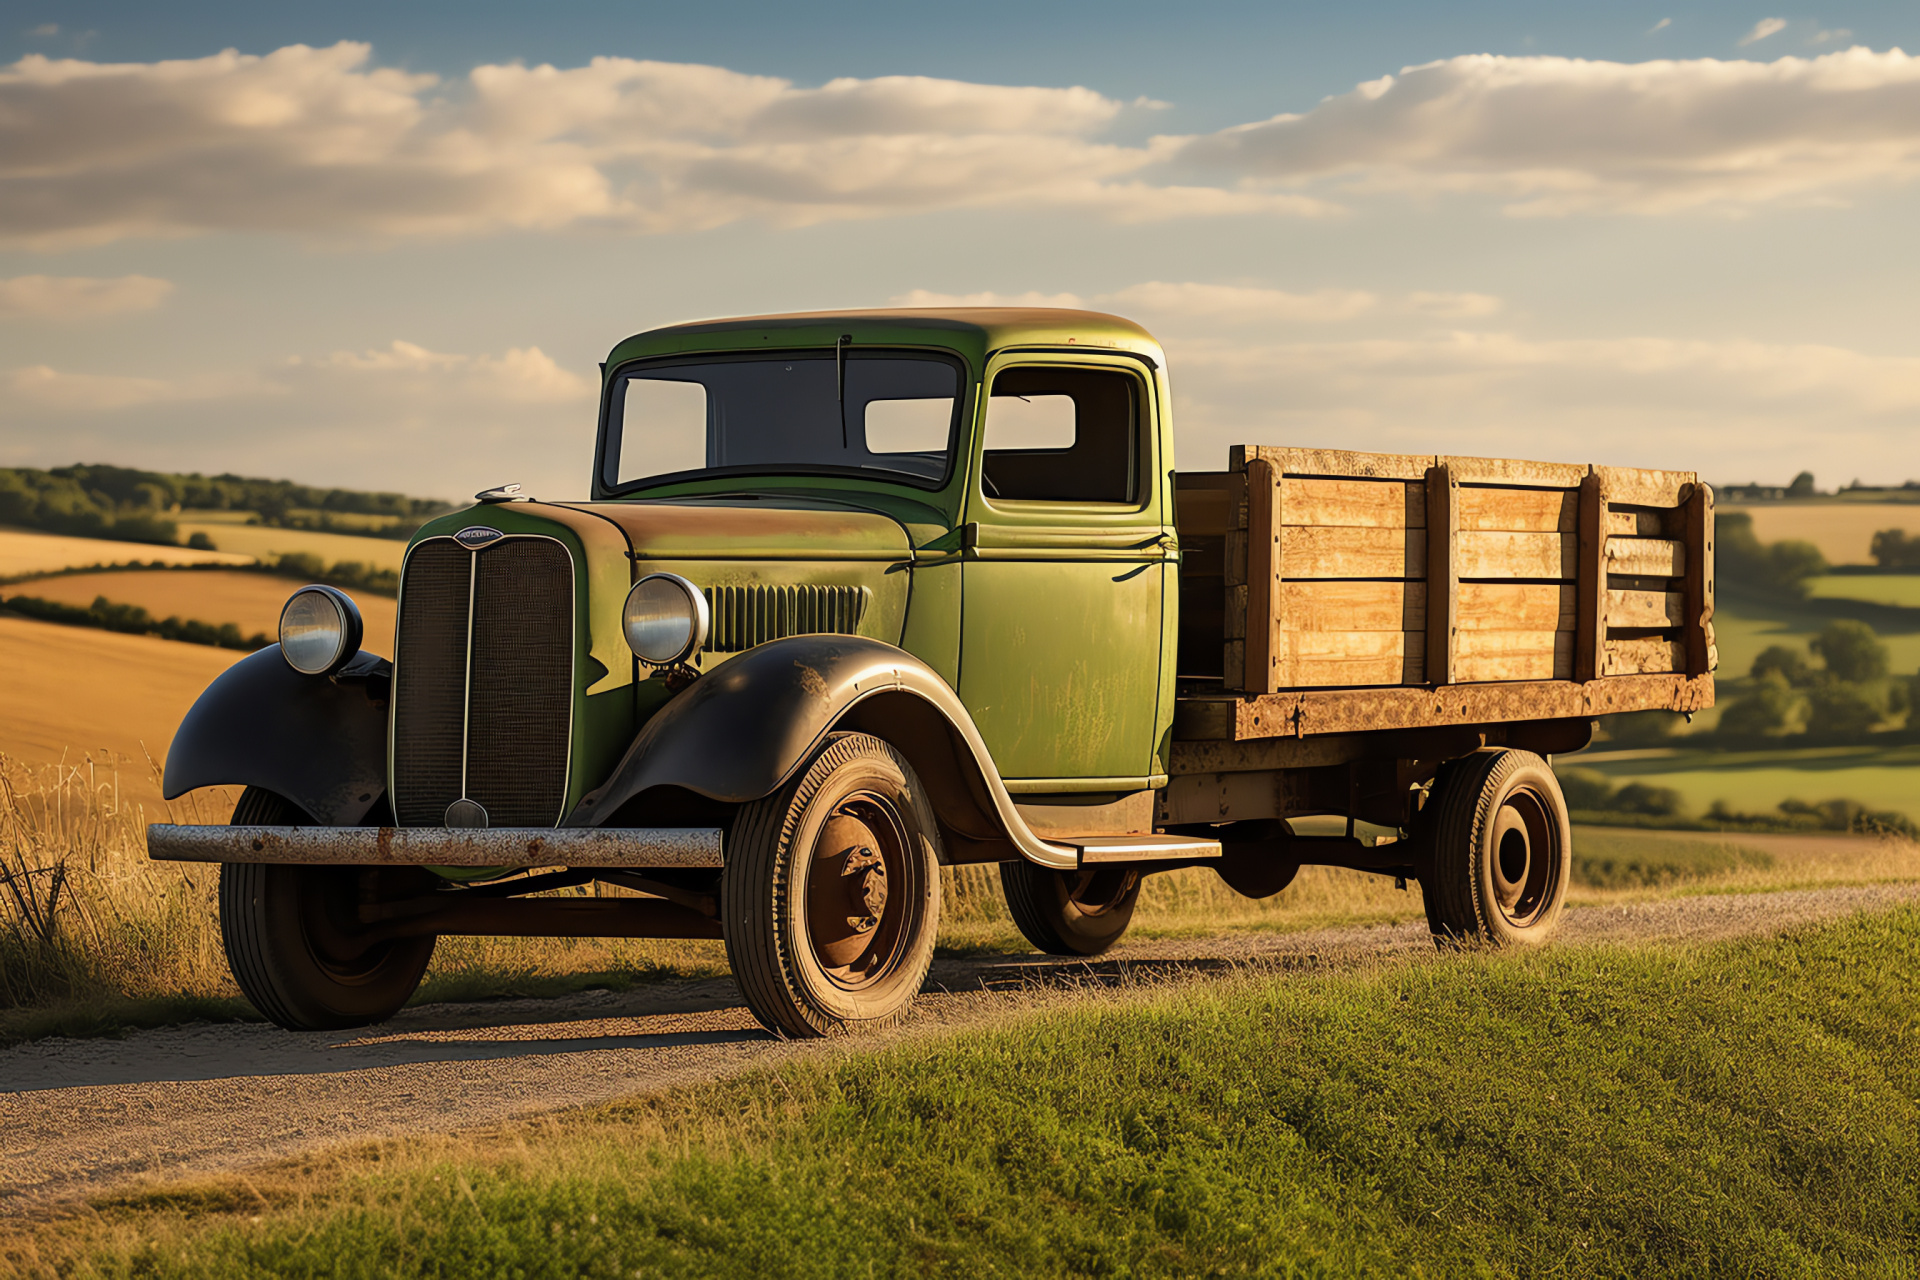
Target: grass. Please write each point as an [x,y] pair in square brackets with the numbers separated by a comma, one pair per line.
[1739,1109]
[1901,590]
[1757,781]
[251,601]
[24,552]
[265,542]
[1842,530]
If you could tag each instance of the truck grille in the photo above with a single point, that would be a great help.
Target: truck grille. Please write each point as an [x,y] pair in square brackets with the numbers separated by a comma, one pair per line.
[483,682]
[743,617]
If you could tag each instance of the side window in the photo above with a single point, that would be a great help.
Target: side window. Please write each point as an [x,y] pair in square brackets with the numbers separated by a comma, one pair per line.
[1063,435]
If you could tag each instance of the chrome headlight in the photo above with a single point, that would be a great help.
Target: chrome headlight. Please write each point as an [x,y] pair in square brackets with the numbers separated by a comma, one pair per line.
[319,630]
[665,619]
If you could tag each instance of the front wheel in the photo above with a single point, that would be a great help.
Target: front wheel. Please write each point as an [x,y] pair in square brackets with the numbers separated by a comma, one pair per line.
[831,893]
[289,933]
[1071,913]
[1502,850]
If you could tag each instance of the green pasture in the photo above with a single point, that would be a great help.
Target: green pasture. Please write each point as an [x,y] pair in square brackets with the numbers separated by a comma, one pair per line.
[1899,589]
[1737,1109]
[1757,781]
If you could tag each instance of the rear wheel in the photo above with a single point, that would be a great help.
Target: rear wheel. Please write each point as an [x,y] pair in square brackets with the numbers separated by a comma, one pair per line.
[831,893]
[1502,850]
[1071,913]
[290,935]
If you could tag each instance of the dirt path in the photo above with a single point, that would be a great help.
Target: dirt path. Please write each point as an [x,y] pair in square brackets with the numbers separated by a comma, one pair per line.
[78,1116]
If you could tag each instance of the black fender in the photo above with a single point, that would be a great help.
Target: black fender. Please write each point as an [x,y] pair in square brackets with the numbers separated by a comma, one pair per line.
[318,741]
[740,731]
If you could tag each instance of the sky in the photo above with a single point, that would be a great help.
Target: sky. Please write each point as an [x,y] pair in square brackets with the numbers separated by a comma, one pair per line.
[385,246]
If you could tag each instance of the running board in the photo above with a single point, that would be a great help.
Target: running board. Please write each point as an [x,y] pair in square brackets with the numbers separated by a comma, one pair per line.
[1138,848]
[439,846]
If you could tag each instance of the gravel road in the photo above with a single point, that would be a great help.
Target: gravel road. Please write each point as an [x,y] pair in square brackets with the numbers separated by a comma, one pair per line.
[80,1116]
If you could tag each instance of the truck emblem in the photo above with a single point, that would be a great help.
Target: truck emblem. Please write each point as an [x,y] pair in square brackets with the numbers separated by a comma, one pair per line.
[476,536]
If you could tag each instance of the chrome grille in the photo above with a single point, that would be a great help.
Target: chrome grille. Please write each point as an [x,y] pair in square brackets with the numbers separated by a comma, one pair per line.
[742,617]
[483,681]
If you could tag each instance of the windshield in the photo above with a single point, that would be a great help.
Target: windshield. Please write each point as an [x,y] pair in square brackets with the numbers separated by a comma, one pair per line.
[785,412]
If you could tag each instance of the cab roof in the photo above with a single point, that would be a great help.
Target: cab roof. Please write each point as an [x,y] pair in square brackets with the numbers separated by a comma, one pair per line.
[973,332]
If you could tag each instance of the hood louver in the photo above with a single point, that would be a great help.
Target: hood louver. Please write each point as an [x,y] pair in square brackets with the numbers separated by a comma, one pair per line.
[743,617]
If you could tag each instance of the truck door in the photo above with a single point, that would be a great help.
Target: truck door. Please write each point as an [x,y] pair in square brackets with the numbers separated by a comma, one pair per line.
[1063,585]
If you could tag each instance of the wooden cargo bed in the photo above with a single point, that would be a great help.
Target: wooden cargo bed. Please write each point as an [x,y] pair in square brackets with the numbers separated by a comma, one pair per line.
[1329,592]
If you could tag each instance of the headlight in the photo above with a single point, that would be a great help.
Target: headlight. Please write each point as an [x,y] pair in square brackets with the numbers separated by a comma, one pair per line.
[665,619]
[319,631]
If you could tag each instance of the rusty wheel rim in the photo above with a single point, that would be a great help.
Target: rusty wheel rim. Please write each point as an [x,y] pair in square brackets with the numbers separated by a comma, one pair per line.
[858,881]
[1524,857]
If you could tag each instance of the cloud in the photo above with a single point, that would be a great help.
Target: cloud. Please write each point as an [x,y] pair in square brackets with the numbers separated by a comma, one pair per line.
[1761,30]
[1833,36]
[1558,135]
[320,142]
[1661,25]
[79,297]
[1190,305]
[45,30]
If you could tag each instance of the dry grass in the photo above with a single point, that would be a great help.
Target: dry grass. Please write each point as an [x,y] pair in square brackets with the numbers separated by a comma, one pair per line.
[23,551]
[264,542]
[251,601]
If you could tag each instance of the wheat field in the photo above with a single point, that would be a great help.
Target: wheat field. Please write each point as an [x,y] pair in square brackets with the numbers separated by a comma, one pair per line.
[251,601]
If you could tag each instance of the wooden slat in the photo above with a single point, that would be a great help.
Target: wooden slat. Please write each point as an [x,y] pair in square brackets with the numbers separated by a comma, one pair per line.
[1334,462]
[1369,504]
[1590,579]
[1352,553]
[1514,655]
[1646,608]
[1650,656]
[1518,555]
[1647,557]
[1443,573]
[1520,510]
[1698,521]
[1353,606]
[1264,513]
[1319,659]
[1637,487]
[1642,523]
[1547,475]
[1499,606]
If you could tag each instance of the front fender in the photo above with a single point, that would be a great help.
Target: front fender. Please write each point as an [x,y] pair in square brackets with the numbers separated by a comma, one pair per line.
[319,742]
[739,733]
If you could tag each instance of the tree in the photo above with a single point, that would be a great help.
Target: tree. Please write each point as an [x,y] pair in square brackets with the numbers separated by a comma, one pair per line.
[1788,663]
[1853,653]
[1641,728]
[1893,549]
[1802,486]
[1772,708]
[1839,709]
[1782,568]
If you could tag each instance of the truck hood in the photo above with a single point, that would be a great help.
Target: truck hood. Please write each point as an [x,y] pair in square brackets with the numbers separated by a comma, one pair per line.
[732,528]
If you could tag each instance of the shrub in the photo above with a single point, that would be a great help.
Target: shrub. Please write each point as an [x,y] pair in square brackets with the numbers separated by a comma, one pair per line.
[1777,568]
[199,541]
[1772,708]
[1851,651]
[1641,728]
[1840,709]
[1892,549]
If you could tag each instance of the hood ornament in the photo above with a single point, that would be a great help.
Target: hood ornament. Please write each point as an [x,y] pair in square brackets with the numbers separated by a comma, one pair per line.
[502,493]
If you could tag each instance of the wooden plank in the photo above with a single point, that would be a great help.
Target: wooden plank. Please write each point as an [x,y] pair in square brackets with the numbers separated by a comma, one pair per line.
[1233,620]
[1370,504]
[1352,553]
[1265,510]
[1546,475]
[1220,717]
[1443,572]
[1531,606]
[1485,656]
[1209,503]
[1520,510]
[1698,521]
[1321,659]
[1646,608]
[1647,557]
[1635,487]
[1651,655]
[1334,462]
[1646,522]
[1518,555]
[1590,579]
[1353,606]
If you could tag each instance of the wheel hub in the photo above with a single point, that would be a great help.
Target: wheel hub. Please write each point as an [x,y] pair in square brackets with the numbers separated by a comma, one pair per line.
[1512,857]
[847,891]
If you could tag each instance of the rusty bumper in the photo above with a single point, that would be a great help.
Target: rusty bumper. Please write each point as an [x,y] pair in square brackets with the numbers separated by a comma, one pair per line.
[439,846]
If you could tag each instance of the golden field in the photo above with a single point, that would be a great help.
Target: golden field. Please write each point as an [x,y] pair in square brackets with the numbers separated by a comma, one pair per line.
[24,551]
[250,601]
[264,542]
[1842,530]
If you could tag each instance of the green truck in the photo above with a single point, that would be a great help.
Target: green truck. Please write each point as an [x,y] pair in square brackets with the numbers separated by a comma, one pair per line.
[861,595]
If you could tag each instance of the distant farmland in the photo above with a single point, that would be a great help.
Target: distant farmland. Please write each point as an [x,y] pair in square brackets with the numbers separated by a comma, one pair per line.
[1842,530]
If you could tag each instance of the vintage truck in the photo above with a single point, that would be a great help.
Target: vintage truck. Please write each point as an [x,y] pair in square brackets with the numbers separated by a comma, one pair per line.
[861,595]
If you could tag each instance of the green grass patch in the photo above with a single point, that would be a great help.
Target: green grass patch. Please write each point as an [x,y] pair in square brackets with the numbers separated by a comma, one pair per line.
[1657,859]
[1900,589]
[1745,1109]
[1757,781]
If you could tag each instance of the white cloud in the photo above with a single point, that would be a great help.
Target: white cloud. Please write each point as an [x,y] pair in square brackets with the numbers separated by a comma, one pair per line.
[1032,298]
[1661,25]
[1190,305]
[1832,37]
[1761,30]
[1560,135]
[323,143]
[79,297]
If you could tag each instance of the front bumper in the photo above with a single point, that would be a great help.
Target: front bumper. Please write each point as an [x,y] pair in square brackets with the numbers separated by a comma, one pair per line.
[505,847]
